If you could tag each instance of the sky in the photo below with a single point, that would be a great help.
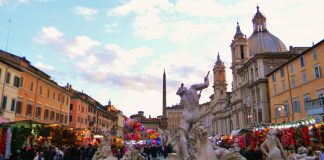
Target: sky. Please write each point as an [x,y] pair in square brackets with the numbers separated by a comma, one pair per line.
[118,50]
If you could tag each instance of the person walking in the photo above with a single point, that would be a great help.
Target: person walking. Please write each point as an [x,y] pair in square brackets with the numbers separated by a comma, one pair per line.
[39,156]
[154,152]
[89,152]
[58,154]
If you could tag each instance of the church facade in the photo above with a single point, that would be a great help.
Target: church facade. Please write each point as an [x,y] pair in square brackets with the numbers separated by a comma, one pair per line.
[252,59]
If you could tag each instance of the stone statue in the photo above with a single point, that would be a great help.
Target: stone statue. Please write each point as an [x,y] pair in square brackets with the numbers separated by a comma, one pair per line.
[104,150]
[133,155]
[190,115]
[302,153]
[165,137]
[202,145]
[225,154]
[276,151]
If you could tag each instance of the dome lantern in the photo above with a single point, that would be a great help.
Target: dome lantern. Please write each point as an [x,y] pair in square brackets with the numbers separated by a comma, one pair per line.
[259,21]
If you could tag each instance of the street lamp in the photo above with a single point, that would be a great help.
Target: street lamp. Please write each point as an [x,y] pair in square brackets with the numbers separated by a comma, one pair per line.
[282,107]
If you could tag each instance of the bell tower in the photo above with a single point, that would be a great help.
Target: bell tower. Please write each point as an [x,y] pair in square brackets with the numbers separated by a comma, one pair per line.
[220,84]
[240,54]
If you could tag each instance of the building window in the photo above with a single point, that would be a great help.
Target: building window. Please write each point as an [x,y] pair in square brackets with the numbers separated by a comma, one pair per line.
[292,69]
[38,112]
[40,90]
[296,105]
[78,119]
[306,99]
[13,105]
[283,85]
[304,77]
[273,77]
[0,71]
[46,114]
[70,118]
[67,100]
[16,81]
[52,115]
[57,117]
[242,51]
[314,55]
[4,102]
[65,119]
[8,78]
[21,81]
[275,89]
[317,71]
[63,99]
[286,107]
[59,97]
[48,93]
[29,110]
[18,107]
[320,93]
[71,106]
[293,81]
[282,72]
[61,118]
[31,86]
[302,61]
[53,95]
[82,110]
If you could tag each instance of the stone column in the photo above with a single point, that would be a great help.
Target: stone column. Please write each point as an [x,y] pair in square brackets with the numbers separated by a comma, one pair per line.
[261,68]
[256,105]
[264,102]
[241,119]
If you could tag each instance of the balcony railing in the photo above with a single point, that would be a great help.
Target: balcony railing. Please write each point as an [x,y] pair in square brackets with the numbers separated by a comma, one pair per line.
[315,106]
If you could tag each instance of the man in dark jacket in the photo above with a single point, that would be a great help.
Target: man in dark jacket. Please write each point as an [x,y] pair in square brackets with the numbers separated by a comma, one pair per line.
[89,152]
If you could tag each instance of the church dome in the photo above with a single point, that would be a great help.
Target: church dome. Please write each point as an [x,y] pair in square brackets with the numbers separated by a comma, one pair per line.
[261,39]
[261,42]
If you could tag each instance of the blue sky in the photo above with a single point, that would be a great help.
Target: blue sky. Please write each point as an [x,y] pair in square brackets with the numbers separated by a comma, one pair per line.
[118,49]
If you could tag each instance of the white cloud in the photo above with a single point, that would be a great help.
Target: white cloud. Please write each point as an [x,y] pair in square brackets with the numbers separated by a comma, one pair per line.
[3,2]
[23,1]
[111,27]
[44,67]
[149,26]
[80,46]
[49,35]
[87,13]
[140,7]
[184,31]
[127,58]
[147,22]
[40,56]
[77,46]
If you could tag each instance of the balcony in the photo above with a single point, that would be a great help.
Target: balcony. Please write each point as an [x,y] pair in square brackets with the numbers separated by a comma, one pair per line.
[315,106]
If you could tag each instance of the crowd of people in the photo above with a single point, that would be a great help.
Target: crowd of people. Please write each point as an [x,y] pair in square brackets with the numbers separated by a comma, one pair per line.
[52,152]
[153,151]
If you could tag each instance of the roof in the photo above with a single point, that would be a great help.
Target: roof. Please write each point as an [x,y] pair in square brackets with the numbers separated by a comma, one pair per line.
[13,65]
[238,31]
[260,42]
[177,106]
[266,55]
[18,62]
[261,39]
[299,55]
